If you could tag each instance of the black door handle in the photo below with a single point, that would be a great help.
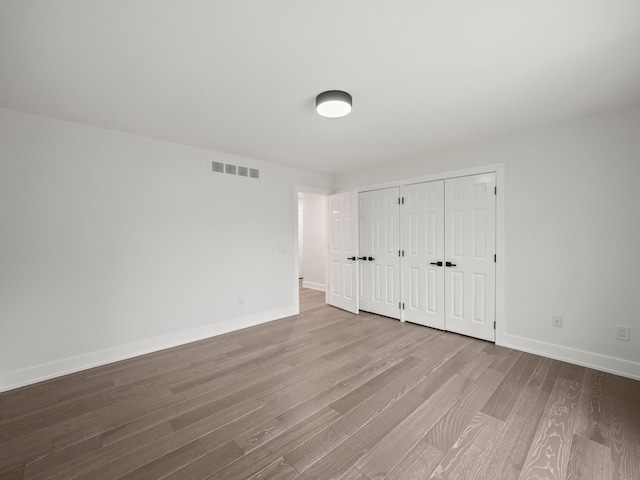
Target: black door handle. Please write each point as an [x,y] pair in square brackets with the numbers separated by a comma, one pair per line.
[439,264]
[371,259]
[449,264]
[352,258]
[362,258]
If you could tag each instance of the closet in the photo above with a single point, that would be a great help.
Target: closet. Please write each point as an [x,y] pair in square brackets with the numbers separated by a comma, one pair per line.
[425,253]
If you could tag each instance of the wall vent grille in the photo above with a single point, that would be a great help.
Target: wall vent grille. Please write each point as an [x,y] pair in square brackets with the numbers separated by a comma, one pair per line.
[235,170]
[217,167]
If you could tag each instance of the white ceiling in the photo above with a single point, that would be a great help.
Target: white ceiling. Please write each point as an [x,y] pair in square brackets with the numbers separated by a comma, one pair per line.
[241,76]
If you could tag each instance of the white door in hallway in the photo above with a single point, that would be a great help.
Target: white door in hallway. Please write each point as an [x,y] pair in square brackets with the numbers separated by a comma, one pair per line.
[342,291]
[470,247]
[423,261]
[379,244]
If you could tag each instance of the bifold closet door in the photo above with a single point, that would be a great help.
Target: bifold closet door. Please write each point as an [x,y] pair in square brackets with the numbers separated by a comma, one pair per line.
[423,270]
[379,262]
[470,247]
[343,238]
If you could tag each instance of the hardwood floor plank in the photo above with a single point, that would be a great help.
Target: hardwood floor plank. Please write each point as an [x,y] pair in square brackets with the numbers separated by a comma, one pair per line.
[588,460]
[410,402]
[353,474]
[625,428]
[277,470]
[259,458]
[167,464]
[83,463]
[254,437]
[43,465]
[551,447]
[316,447]
[14,473]
[470,450]
[208,464]
[419,463]
[511,445]
[360,394]
[500,404]
[592,416]
[438,421]
[323,399]
[444,433]
[346,453]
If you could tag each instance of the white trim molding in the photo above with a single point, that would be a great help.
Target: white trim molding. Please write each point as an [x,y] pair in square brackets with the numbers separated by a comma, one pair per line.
[314,286]
[27,376]
[617,366]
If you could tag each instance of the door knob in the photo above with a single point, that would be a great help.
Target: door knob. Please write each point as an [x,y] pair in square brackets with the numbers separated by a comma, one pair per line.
[371,259]
[449,264]
[439,264]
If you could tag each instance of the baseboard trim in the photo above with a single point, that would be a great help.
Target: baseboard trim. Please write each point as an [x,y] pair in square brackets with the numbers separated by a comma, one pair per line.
[617,366]
[314,286]
[27,376]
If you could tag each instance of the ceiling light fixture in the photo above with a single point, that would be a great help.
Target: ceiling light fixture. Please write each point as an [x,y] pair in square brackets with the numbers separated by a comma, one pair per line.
[333,103]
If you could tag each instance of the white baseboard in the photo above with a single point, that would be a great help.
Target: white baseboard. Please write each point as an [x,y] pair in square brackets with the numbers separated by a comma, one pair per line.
[38,373]
[596,361]
[314,286]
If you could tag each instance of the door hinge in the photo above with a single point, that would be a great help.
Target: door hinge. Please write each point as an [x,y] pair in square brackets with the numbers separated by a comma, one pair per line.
[495,258]
[494,324]
[401,201]
[495,190]
[401,305]
[401,253]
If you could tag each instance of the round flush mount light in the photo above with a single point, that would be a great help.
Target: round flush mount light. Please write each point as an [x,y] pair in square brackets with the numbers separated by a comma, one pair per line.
[333,103]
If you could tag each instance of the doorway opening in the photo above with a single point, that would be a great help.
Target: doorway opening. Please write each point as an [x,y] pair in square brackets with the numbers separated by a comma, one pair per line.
[312,240]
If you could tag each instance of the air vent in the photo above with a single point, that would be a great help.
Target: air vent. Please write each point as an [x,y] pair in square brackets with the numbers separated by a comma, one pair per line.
[217,167]
[235,170]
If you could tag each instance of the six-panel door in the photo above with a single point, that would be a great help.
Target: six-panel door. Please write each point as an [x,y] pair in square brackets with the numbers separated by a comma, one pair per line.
[379,232]
[470,247]
[423,278]
[343,249]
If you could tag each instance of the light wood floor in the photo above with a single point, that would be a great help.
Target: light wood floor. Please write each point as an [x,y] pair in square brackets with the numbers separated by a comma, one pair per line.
[325,395]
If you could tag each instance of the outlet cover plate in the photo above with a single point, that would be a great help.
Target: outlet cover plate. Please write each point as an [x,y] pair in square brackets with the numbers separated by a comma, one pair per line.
[623,332]
[556,321]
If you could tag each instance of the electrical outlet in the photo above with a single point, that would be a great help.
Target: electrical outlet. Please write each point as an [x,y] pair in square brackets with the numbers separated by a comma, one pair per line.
[556,321]
[241,302]
[623,332]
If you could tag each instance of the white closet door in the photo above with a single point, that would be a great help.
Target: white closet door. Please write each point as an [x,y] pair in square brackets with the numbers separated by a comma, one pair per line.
[423,242]
[379,243]
[342,290]
[470,246]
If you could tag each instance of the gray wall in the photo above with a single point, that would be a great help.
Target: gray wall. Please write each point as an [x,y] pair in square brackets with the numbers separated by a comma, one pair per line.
[572,233]
[112,245]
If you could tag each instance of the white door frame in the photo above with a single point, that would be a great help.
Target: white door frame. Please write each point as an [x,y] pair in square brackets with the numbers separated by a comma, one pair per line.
[296,191]
[499,169]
